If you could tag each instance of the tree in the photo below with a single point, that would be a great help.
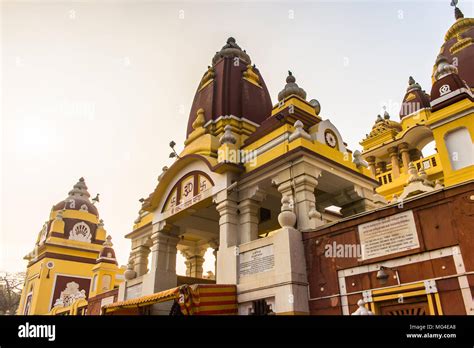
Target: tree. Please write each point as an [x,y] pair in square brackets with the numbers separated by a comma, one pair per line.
[10,291]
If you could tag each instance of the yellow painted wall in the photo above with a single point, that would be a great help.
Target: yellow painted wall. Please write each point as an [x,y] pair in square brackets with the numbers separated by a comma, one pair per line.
[44,287]
[453,177]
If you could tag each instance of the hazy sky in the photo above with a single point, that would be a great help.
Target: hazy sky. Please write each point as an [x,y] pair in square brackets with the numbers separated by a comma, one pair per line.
[99,88]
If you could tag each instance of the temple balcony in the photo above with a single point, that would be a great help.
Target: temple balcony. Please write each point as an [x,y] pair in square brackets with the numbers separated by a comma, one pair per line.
[390,185]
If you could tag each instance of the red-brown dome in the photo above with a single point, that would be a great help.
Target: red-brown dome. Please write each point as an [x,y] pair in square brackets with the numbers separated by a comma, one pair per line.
[231,86]
[78,199]
[414,100]
[107,254]
[458,48]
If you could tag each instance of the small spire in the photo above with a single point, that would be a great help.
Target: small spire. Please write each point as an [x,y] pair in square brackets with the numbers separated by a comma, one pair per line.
[299,132]
[413,85]
[228,137]
[108,241]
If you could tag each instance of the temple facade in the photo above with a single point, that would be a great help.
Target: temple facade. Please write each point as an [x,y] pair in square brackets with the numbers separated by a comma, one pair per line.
[72,259]
[299,224]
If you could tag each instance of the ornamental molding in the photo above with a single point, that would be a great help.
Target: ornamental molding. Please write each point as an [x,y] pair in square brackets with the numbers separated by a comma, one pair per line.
[69,295]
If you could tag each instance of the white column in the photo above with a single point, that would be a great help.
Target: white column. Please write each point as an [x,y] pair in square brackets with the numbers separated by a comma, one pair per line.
[194,261]
[250,203]
[393,153]
[228,239]
[299,185]
[162,275]
[307,216]
[139,256]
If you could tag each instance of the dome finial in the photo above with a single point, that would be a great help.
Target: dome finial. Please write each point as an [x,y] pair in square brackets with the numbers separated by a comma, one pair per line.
[108,241]
[80,189]
[291,88]
[290,78]
[231,49]
[412,84]
[457,12]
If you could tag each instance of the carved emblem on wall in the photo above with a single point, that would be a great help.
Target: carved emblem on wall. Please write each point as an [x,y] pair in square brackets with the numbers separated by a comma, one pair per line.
[444,89]
[69,295]
[81,232]
[331,138]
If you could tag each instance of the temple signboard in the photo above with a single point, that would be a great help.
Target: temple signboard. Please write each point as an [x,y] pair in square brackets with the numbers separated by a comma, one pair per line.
[389,235]
[188,191]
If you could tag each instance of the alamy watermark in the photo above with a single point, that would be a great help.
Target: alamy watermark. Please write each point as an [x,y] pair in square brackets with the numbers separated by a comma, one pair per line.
[334,250]
[237,156]
[37,331]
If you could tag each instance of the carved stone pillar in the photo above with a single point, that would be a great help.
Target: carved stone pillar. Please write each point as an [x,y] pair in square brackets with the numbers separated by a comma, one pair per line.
[194,261]
[393,152]
[228,222]
[307,217]
[250,203]
[298,184]
[371,163]
[139,255]
[163,259]
[228,238]
[403,148]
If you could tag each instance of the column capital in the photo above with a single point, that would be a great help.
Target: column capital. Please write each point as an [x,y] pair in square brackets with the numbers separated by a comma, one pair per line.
[305,182]
[393,151]
[255,193]
[228,222]
[403,147]
[370,159]
[164,238]
[282,187]
[163,226]
[227,207]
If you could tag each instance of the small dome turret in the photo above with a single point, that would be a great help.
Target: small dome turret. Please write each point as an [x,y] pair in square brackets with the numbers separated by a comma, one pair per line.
[414,100]
[78,199]
[291,88]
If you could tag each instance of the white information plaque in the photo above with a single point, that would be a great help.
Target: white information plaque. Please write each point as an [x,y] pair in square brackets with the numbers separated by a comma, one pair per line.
[389,235]
[256,261]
